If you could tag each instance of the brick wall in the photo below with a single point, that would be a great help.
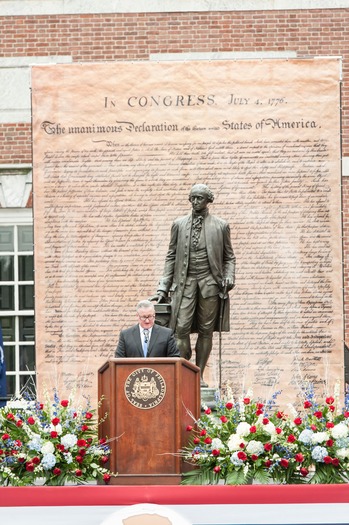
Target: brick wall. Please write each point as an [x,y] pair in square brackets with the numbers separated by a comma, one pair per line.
[103,37]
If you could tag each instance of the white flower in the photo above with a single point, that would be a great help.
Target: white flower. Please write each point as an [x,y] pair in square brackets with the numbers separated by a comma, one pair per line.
[235,460]
[243,429]
[269,428]
[319,453]
[47,448]
[255,447]
[68,457]
[48,461]
[340,431]
[319,437]
[217,444]
[69,440]
[343,453]
[306,436]
[234,442]
[57,428]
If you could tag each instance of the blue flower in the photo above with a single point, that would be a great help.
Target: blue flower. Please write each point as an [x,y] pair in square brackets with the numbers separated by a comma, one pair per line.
[305,436]
[48,461]
[319,453]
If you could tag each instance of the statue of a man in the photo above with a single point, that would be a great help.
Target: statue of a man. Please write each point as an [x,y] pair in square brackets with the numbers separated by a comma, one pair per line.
[199,271]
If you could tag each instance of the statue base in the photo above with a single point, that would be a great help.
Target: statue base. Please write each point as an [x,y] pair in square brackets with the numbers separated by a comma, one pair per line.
[208,397]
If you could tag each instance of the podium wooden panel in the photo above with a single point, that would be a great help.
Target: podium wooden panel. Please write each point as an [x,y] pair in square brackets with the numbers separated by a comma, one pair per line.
[145,441]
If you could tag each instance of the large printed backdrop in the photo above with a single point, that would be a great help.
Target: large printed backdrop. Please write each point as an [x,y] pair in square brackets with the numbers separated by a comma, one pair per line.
[117,147]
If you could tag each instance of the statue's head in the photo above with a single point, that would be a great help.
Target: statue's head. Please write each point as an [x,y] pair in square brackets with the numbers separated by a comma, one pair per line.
[201,189]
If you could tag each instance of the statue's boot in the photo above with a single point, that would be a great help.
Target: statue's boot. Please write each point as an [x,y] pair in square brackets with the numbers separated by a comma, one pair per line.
[184,347]
[203,350]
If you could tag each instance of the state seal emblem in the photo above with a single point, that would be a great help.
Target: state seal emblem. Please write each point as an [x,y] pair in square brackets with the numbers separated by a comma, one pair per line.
[145,388]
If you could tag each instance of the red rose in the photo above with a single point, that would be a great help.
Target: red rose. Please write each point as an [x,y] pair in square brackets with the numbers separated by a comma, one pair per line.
[253,429]
[260,405]
[307,404]
[346,414]
[106,478]
[102,441]
[329,424]
[254,457]
[224,419]
[31,420]
[82,452]
[30,467]
[53,434]
[217,469]
[5,436]
[335,462]
[318,414]
[1,452]
[268,463]
[78,472]
[265,421]
[196,441]
[19,423]
[242,446]
[229,406]
[284,462]
[55,421]
[291,438]
[64,403]
[75,415]
[189,428]
[36,460]
[299,457]
[21,460]
[327,460]
[329,443]
[208,440]
[259,411]
[278,430]
[18,443]
[41,406]
[297,421]
[280,415]
[329,400]
[56,471]
[104,459]
[241,455]
[79,459]
[84,428]
[203,432]
[268,447]
[313,427]
[208,411]
[215,452]
[10,417]
[304,471]
[88,415]
[60,447]
[247,400]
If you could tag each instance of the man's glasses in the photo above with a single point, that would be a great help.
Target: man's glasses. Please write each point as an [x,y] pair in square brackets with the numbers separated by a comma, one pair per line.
[146,317]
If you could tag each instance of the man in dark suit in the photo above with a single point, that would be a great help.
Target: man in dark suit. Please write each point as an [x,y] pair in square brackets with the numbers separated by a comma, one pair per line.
[146,339]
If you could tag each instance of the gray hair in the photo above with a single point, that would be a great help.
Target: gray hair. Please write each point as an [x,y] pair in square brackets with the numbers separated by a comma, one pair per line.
[203,188]
[144,304]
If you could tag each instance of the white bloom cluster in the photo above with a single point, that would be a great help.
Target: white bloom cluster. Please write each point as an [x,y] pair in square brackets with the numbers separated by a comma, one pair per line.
[69,440]
[48,461]
[48,448]
[57,428]
[35,443]
[340,431]
[243,429]
[235,460]
[319,453]
[319,437]
[234,442]
[255,447]
[343,453]
[269,428]
[217,444]
[306,436]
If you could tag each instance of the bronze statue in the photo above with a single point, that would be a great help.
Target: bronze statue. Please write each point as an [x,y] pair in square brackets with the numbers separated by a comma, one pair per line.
[199,272]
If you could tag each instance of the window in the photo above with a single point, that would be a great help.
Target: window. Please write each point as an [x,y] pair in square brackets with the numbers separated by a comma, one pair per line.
[17,302]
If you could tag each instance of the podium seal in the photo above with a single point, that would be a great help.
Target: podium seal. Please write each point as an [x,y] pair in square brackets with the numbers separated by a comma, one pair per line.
[145,388]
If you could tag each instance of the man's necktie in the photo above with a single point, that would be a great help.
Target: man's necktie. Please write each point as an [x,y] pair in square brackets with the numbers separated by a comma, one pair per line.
[146,340]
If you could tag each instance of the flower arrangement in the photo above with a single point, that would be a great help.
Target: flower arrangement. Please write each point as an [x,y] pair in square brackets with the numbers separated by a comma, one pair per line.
[246,440]
[56,441]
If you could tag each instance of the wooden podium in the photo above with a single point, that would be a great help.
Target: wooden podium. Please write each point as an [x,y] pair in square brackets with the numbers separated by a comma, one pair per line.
[150,403]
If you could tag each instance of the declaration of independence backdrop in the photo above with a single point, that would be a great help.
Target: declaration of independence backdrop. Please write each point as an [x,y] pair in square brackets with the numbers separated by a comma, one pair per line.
[117,147]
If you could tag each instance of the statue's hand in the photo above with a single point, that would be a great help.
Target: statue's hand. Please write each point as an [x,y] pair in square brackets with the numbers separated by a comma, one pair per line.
[227,284]
[160,297]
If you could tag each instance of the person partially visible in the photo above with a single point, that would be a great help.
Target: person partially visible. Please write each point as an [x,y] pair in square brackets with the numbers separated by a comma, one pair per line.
[146,339]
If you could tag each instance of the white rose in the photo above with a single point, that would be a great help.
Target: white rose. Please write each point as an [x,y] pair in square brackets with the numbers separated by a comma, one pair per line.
[243,429]
[47,448]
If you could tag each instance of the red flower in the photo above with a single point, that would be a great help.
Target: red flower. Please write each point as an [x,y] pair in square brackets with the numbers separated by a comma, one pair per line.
[75,415]
[241,455]
[20,460]
[346,414]
[64,403]
[260,406]
[31,420]
[208,411]
[53,434]
[313,427]
[253,429]
[265,421]
[41,406]
[304,471]
[291,438]
[299,457]
[247,400]
[208,440]
[278,430]
[36,460]
[229,406]
[56,471]
[10,417]
[307,404]
[104,459]
[88,415]
[259,411]
[284,462]
[327,460]
[280,415]
[329,443]
[189,428]
[215,452]
[196,440]
[217,469]
[331,408]
[242,446]
[78,472]
[268,463]
[268,447]
[106,478]
[297,421]
[29,467]
[102,441]
[82,452]
[335,462]
[318,414]
[254,457]
[84,428]
[60,447]
[5,436]
[1,451]
[55,421]
[329,424]
[19,423]
[224,419]
[329,400]
[79,459]
[203,432]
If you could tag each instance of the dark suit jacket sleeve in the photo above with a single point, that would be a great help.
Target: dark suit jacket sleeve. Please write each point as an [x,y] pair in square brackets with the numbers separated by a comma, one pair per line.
[121,348]
[172,349]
